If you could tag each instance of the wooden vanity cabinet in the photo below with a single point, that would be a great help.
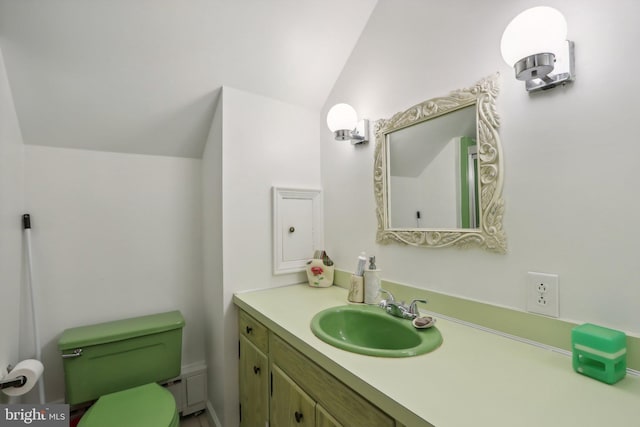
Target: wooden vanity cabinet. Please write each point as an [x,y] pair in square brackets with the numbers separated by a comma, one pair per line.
[324,419]
[298,391]
[253,372]
[290,405]
[342,404]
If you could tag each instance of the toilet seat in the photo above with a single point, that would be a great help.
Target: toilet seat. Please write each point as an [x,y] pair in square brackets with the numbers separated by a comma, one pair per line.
[148,405]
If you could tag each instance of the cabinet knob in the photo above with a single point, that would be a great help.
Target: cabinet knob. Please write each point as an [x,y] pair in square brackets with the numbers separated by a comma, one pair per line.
[249,329]
[298,416]
[292,229]
[256,370]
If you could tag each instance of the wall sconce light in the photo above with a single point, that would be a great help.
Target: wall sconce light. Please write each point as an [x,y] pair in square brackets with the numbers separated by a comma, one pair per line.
[342,120]
[535,44]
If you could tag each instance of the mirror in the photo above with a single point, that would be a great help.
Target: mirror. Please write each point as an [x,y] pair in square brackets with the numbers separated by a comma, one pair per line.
[429,179]
[438,172]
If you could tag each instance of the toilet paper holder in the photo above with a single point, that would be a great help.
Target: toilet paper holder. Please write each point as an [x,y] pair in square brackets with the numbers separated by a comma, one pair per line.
[14,382]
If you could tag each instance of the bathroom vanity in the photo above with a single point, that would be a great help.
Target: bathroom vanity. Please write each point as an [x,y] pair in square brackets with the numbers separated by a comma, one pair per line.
[276,379]
[290,377]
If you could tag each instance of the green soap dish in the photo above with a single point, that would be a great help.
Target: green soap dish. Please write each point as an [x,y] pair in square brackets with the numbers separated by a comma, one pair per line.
[599,352]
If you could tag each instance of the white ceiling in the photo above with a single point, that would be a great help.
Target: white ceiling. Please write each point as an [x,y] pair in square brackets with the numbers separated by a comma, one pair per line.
[142,76]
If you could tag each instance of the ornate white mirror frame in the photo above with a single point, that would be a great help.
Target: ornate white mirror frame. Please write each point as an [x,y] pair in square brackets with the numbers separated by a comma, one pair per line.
[489,233]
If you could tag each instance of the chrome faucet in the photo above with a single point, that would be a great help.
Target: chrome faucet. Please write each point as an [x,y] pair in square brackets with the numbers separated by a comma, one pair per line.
[399,309]
[389,299]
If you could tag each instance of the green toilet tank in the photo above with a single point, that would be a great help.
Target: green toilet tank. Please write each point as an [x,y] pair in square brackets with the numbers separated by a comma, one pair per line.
[113,356]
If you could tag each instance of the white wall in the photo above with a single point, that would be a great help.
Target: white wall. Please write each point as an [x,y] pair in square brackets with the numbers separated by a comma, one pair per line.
[264,143]
[212,253]
[11,205]
[439,181]
[570,154]
[115,236]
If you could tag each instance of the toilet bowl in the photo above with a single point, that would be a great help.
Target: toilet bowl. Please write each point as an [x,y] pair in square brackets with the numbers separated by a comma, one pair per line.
[120,364]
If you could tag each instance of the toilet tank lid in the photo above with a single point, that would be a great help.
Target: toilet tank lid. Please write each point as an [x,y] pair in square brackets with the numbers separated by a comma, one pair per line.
[119,330]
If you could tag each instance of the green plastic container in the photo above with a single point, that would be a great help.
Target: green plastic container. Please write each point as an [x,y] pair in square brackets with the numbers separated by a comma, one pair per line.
[119,355]
[599,352]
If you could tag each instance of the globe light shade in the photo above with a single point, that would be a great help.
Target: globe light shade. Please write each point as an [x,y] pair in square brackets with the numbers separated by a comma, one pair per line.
[342,117]
[537,30]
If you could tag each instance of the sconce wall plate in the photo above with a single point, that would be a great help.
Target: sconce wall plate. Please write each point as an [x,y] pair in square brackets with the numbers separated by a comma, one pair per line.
[360,134]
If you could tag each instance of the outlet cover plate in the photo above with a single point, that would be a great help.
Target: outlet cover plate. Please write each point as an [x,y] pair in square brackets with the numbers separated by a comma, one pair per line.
[542,294]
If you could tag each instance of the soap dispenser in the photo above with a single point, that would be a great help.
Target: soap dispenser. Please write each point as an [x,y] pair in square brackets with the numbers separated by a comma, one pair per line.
[371,282]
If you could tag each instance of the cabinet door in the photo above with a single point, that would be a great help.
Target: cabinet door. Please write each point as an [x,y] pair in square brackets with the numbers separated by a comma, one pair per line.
[254,385]
[344,404]
[290,406]
[324,419]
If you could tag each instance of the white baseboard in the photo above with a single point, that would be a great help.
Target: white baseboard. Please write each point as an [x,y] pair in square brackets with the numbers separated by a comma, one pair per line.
[211,415]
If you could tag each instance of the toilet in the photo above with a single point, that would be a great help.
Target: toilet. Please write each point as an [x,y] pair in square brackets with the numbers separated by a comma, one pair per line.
[119,364]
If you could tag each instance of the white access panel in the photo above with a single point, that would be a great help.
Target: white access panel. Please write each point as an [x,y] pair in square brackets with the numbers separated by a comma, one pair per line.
[297,228]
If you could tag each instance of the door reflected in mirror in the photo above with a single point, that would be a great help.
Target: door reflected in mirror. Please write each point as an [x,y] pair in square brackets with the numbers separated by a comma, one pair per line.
[433,173]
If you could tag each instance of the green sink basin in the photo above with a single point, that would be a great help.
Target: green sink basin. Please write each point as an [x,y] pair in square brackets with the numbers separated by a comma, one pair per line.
[370,330]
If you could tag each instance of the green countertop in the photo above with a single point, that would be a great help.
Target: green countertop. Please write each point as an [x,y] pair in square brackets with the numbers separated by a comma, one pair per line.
[475,378]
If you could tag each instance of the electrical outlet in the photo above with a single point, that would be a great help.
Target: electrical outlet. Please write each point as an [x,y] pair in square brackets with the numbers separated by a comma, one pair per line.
[542,294]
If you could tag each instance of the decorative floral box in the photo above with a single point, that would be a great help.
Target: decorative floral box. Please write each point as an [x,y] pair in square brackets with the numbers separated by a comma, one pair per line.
[319,274]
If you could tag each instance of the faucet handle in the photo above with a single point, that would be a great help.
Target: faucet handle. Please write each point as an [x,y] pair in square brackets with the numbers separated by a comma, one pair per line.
[390,297]
[413,306]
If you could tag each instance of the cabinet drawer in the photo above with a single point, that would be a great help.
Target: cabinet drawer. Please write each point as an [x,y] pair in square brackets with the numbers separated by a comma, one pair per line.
[254,331]
[344,404]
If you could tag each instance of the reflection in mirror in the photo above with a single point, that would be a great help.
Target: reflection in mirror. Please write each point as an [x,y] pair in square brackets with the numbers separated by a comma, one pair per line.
[433,173]
[438,172]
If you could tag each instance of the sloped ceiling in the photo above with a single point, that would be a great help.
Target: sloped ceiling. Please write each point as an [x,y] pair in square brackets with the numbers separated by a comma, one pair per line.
[143,76]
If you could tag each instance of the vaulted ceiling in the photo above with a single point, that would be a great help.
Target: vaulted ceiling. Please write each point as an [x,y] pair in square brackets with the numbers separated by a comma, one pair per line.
[143,76]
